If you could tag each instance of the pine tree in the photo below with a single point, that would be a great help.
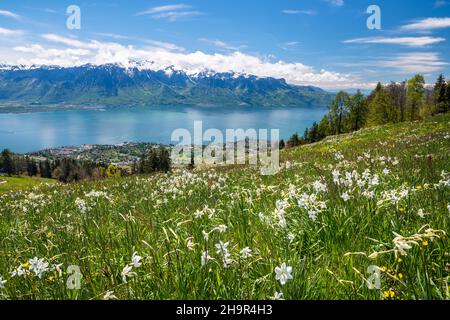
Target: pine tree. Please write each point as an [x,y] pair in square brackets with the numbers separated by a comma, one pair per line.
[8,165]
[45,169]
[447,97]
[439,93]
[32,168]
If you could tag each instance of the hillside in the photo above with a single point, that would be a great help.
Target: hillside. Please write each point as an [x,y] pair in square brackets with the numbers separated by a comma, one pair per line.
[378,197]
[114,85]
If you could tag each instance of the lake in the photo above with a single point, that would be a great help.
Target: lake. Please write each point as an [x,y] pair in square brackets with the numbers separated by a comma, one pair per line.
[27,132]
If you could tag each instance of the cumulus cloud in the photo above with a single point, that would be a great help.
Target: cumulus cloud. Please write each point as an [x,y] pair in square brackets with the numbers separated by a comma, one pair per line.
[405,41]
[74,52]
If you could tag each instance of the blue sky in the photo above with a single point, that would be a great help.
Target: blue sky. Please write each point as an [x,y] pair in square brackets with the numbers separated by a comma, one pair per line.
[315,42]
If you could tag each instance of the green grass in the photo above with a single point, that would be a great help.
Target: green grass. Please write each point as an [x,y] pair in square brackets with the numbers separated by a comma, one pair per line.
[20,183]
[155,217]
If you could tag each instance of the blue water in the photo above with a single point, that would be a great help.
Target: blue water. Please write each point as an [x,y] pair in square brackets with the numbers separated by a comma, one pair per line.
[28,132]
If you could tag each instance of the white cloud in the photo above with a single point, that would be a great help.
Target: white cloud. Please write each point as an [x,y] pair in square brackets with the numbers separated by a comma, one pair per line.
[222,45]
[415,62]
[440,3]
[111,35]
[297,12]
[336,3]
[405,64]
[160,9]
[73,52]
[427,24]
[290,45]
[10,14]
[9,32]
[170,12]
[405,41]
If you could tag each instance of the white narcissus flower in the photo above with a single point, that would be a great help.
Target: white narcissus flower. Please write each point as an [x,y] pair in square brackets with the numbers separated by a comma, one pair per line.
[109,295]
[205,258]
[345,196]
[222,228]
[283,273]
[136,260]
[246,253]
[222,247]
[2,282]
[190,245]
[277,296]
[421,213]
[127,273]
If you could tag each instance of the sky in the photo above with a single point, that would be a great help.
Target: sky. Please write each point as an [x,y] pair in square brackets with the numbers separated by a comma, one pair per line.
[325,43]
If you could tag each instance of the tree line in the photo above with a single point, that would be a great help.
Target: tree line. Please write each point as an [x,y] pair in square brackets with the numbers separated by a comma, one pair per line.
[393,103]
[71,170]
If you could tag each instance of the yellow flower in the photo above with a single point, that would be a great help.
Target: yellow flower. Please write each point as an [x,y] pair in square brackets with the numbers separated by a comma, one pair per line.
[26,264]
[400,276]
[401,209]
[50,234]
[419,188]
[425,243]
[51,278]
[384,269]
[389,294]
[400,260]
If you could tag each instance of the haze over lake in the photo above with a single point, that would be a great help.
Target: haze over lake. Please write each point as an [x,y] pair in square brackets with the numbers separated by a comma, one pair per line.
[27,132]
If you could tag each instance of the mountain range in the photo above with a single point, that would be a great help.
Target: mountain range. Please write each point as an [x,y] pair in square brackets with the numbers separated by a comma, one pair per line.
[116,85]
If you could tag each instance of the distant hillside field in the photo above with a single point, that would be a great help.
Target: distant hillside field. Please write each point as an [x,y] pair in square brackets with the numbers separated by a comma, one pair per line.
[342,214]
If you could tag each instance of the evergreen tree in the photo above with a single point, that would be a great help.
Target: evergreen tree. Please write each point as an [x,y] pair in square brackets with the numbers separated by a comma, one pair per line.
[45,169]
[447,97]
[439,95]
[293,141]
[32,168]
[7,161]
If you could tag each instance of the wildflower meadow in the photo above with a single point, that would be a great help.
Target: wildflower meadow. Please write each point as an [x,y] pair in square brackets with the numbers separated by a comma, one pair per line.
[358,216]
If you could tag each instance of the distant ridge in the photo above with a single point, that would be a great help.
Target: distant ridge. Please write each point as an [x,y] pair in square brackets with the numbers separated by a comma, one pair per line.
[140,83]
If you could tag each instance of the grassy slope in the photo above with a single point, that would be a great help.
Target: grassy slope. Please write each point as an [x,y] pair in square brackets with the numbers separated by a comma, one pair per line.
[20,183]
[154,216]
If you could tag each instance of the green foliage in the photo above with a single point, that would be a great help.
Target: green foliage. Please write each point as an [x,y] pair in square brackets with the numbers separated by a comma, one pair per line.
[414,93]
[6,162]
[156,160]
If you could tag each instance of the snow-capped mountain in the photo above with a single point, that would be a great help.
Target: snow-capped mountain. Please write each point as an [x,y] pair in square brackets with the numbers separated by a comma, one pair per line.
[146,83]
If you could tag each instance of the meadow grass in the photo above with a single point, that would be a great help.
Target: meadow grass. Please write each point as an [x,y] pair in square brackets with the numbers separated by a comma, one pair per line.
[379,197]
[20,182]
